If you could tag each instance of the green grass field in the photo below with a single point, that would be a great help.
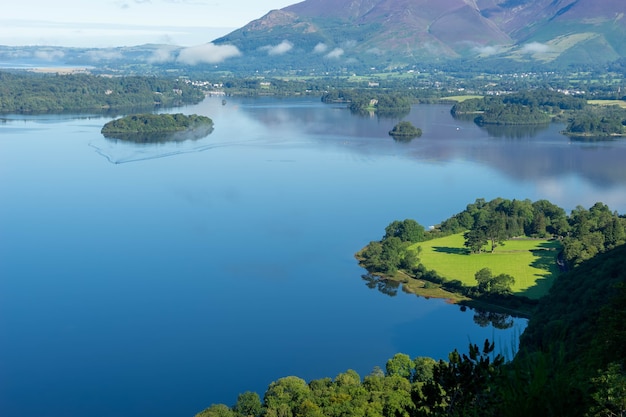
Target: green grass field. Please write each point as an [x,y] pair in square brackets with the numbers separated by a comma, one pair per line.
[531,262]
[620,103]
[459,98]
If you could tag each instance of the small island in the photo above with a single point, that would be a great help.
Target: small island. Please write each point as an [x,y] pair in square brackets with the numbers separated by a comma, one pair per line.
[405,130]
[150,128]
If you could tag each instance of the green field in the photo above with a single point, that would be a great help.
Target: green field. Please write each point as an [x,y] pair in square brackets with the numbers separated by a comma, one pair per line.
[460,98]
[620,103]
[531,262]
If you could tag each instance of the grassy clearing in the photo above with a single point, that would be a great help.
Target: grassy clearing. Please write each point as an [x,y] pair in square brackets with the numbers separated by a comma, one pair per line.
[459,99]
[620,103]
[531,262]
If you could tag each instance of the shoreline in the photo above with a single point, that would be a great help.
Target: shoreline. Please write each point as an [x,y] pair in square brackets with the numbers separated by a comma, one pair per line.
[423,288]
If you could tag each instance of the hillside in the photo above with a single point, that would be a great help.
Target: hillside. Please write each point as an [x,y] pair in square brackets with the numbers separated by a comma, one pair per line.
[414,31]
[575,341]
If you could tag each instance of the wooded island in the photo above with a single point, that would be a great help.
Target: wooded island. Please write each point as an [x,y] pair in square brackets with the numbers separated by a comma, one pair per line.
[155,123]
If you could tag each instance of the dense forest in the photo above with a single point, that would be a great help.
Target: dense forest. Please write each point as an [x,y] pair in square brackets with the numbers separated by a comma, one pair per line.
[21,93]
[598,121]
[570,363]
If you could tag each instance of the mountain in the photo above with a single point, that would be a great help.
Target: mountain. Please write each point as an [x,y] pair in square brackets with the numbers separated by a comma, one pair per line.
[394,32]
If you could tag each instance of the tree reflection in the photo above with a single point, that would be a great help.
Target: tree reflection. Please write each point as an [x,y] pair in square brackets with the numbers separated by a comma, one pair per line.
[514,131]
[403,138]
[385,286]
[500,321]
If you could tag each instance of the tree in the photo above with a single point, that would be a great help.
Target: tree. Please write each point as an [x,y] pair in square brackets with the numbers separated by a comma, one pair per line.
[401,365]
[216,410]
[460,387]
[286,393]
[248,404]
[407,230]
[609,394]
[501,284]
[475,240]
[423,369]
[488,284]
[495,230]
[484,277]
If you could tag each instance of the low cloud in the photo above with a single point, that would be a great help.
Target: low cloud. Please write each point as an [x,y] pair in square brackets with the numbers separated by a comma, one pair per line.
[48,54]
[104,55]
[320,48]
[535,48]
[208,53]
[280,49]
[162,55]
[349,44]
[335,53]
[487,50]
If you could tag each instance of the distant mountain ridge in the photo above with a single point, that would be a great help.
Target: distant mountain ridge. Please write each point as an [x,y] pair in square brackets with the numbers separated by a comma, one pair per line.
[570,31]
[358,36]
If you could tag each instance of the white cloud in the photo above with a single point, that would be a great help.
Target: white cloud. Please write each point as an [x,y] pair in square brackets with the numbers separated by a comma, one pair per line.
[535,48]
[349,44]
[335,53]
[280,49]
[104,55]
[208,53]
[487,50]
[48,54]
[320,48]
[162,55]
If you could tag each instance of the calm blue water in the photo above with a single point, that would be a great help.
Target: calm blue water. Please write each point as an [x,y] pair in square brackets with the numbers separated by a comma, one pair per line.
[159,279]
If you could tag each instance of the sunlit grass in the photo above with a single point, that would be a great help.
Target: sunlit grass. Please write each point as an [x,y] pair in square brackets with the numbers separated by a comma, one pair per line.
[531,262]
[459,99]
[620,103]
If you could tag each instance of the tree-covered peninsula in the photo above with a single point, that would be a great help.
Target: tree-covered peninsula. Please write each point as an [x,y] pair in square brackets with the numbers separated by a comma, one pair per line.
[29,93]
[523,108]
[597,121]
[499,252]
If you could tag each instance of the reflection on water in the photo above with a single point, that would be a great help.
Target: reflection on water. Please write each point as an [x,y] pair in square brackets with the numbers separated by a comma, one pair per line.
[482,317]
[385,286]
[514,132]
[498,320]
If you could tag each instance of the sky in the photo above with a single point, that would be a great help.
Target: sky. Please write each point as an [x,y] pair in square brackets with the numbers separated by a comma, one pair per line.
[110,23]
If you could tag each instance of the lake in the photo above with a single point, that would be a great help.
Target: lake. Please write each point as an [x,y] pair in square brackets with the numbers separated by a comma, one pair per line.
[157,279]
